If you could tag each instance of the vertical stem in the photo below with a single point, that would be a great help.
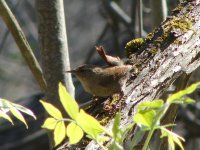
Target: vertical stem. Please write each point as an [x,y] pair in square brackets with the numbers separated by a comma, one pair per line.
[159,116]
[54,48]
[140,18]
[148,139]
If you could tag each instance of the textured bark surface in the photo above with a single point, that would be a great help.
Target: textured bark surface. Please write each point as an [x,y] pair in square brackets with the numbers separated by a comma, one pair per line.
[54,48]
[177,46]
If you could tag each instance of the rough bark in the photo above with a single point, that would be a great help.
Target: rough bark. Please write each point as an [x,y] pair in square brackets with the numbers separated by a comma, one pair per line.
[54,49]
[171,51]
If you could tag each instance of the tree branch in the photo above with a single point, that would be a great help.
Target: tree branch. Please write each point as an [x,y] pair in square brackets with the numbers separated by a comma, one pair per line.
[22,43]
[169,52]
[54,48]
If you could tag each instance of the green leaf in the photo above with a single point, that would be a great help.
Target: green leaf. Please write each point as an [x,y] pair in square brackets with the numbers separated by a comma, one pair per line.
[5,116]
[74,132]
[50,123]
[192,88]
[177,96]
[53,111]
[68,102]
[115,129]
[145,118]
[101,139]
[89,124]
[15,110]
[153,104]
[177,141]
[59,132]
[171,143]
[17,114]
[188,100]
[116,146]
[172,138]
[24,110]
[4,105]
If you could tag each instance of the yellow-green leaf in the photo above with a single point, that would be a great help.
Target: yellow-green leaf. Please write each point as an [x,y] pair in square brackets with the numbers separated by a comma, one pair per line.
[68,102]
[59,132]
[5,116]
[145,118]
[5,105]
[171,144]
[192,88]
[177,141]
[117,133]
[178,95]
[49,123]
[74,132]
[89,124]
[102,138]
[172,138]
[188,100]
[18,115]
[53,111]
[24,110]
[151,104]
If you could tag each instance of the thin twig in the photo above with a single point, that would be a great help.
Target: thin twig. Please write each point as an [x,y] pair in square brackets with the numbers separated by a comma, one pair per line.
[5,36]
[140,13]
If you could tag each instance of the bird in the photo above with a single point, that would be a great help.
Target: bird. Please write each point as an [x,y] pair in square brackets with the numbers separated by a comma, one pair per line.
[102,81]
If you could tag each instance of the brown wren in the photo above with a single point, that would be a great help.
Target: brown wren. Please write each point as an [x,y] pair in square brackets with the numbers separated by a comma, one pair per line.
[102,81]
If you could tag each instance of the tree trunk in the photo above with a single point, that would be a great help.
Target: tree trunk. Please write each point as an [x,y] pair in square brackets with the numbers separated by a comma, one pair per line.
[170,51]
[54,48]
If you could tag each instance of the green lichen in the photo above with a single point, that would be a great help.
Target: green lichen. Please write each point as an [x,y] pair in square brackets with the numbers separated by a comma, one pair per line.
[105,120]
[133,46]
[175,23]
[150,35]
[178,23]
[160,39]
[172,28]
[153,51]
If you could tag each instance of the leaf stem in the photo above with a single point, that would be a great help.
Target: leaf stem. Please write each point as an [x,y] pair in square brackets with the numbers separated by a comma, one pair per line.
[148,139]
[67,120]
[160,114]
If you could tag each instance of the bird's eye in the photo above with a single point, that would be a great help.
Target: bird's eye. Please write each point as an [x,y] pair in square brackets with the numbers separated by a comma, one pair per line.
[83,70]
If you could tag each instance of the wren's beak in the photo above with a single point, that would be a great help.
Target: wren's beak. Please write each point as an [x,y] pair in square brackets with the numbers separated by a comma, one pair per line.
[70,71]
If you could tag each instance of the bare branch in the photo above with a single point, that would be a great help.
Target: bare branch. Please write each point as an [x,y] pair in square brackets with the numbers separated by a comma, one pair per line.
[22,43]
[172,50]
